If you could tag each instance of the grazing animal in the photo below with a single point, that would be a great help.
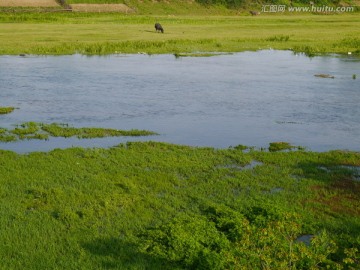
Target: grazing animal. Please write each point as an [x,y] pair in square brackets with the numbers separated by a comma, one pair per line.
[254,13]
[158,27]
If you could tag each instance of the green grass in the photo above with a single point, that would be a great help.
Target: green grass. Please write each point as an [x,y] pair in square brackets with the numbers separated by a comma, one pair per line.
[43,34]
[162,206]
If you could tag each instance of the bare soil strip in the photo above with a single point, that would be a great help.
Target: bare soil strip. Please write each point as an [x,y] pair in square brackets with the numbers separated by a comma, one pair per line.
[28,3]
[101,8]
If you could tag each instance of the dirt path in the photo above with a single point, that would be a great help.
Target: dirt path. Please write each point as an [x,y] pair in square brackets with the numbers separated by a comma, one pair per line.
[101,8]
[28,3]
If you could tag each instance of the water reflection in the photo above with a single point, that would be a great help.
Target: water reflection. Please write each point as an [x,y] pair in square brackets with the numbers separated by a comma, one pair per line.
[249,98]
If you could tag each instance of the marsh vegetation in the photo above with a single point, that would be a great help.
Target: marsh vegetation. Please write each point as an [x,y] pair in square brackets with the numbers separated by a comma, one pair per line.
[158,205]
[154,205]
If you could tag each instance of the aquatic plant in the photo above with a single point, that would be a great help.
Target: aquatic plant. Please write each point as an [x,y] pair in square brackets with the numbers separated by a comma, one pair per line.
[63,130]
[41,131]
[6,110]
[280,146]
[7,138]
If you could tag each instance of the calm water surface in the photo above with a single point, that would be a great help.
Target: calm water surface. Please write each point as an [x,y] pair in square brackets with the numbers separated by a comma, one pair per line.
[249,98]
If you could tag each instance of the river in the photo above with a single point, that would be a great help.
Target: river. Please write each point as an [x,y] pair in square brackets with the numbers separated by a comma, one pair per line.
[249,98]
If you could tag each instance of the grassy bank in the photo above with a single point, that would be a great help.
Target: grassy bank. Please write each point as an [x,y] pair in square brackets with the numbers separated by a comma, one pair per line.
[161,206]
[69,33]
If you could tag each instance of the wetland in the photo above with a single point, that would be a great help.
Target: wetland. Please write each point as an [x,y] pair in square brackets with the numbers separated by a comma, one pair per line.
[201,190]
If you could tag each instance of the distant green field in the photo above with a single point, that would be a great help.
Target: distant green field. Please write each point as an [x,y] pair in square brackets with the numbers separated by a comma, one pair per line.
[69,33]
[161,206]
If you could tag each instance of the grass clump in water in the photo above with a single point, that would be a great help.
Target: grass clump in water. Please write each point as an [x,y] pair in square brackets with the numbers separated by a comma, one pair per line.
[199,54]
[41,131]
[280,146]
[6,110]
[63,130]
[26,129]
[5,137]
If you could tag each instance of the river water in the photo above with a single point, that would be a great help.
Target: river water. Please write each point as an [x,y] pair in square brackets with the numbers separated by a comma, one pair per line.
[249,98]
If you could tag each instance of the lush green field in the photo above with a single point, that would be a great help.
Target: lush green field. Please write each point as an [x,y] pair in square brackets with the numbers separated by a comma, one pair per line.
[69,33]
[160,206]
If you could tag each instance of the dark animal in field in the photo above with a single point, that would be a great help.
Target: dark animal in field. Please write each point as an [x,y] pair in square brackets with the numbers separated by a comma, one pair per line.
[158,27]
[254,13]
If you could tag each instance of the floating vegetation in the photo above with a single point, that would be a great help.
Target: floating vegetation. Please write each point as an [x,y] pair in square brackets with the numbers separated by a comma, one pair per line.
[6,110]
[241,147]
[41,131]
[63,130]
[7,138]
[354,76]
[25,130]
[281,146]
[199,54]
[325,76]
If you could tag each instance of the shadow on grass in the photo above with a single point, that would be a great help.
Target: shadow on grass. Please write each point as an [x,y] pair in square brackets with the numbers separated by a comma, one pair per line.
[154,32]
[114,253]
